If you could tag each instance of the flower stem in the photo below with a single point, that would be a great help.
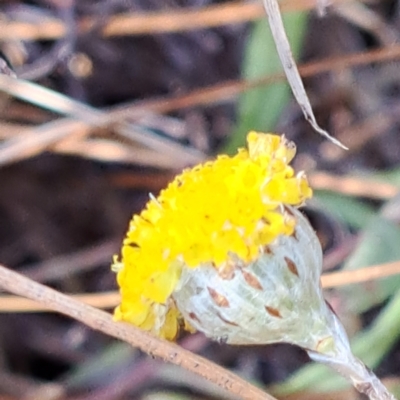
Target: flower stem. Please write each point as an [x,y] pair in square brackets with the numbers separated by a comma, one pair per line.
[362,378]
[337,355]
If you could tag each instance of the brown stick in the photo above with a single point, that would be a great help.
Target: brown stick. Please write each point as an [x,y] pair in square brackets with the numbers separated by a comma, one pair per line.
[102,321]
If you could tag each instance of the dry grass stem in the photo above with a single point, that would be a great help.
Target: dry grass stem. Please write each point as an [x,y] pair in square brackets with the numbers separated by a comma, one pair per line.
[64,266]
[358,14]
[104,150]
[36,140]
[366,274]
[153,22]
[229,90]
[67,135]
[109,300]
[353,186]
[99,320]
[290,68]
[104,300]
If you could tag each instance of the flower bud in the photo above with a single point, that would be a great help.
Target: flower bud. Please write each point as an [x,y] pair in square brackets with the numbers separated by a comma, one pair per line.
[218,219]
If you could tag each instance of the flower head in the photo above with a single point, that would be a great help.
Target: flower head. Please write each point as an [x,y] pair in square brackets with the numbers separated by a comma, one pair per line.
[223,250]
[217,216]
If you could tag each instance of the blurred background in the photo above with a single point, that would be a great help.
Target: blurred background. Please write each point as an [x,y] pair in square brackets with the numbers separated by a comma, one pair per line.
[151,87]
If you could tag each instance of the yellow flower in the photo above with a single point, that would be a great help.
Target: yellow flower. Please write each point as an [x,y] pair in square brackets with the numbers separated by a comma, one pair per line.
[218,213]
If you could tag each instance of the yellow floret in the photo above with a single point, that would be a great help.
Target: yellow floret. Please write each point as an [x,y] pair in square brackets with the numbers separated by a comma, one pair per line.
[232,205]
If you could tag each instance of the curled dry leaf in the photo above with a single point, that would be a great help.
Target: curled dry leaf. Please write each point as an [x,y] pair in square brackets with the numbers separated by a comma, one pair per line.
[290,67]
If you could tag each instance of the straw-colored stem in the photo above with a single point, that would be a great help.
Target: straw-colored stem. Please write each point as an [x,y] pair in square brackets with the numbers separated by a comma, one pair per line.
[336,353]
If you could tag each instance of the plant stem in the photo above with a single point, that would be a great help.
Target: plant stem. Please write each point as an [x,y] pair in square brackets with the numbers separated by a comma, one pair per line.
[337,354]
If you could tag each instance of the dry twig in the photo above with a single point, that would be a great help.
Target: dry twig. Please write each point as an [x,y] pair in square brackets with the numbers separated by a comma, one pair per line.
[102,321]
[36,140]
[52,136]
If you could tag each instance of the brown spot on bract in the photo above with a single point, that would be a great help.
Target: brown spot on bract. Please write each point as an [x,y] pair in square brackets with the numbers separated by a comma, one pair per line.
[294,235]
[226,321]
[273,312]
[227,270]
[218,299]
[292,266]
[252,280]
[193,316]
[265,221]
[289,211]
[267,250]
